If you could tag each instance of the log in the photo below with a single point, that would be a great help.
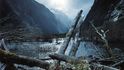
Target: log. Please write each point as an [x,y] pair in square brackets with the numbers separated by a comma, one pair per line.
[8,66]
[103,67]
[76,39]
[118,64]
[65,58]
[70,34]
[7,57]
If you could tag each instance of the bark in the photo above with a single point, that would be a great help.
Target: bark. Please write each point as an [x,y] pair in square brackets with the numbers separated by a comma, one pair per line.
[70,34]
[7,57]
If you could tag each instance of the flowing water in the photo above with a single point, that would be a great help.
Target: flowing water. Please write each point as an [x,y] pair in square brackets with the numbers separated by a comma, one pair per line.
[40,50]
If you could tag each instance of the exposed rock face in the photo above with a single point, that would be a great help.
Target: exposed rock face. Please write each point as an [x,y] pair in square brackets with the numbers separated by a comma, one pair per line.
[117,29]
[105,15]
[99,10]
[27,18]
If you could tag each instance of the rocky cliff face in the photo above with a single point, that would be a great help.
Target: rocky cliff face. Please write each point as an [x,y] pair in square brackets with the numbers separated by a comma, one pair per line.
[27,18]
[116,20]
[106,15]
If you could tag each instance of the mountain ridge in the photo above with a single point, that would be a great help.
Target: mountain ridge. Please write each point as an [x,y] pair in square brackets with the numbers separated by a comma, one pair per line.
[28,18]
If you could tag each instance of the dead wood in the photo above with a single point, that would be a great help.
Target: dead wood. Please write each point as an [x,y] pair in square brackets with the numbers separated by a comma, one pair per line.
[7,57]
[118,64]
[103,67]
[70,34]
[76,39]
[65,58]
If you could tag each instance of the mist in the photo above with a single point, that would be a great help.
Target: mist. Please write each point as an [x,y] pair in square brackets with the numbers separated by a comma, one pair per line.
[69,7]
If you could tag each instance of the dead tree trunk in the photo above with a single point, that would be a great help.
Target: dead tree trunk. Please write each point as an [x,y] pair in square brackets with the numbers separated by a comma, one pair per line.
[103,67]
[7,57]
[118,63]
[70,34]
[76,39]
[7,66]
[75,45]
[64,58]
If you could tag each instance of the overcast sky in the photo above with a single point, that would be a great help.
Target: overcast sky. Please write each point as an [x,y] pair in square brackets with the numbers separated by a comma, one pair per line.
[69,7]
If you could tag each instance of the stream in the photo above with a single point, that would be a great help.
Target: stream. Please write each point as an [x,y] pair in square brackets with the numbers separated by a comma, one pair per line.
[40,50]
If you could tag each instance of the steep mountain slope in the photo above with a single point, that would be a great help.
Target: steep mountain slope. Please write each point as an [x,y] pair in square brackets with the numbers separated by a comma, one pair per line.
[63,19]
[101,15]
[111,19]
[27,18]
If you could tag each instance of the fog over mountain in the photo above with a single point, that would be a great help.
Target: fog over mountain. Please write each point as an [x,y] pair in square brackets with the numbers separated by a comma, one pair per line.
[69,7]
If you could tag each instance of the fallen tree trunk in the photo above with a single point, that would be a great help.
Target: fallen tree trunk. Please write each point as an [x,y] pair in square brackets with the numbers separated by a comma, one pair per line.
[7,57]
[118,64]
[8,66]
[103,67]
[65,58]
